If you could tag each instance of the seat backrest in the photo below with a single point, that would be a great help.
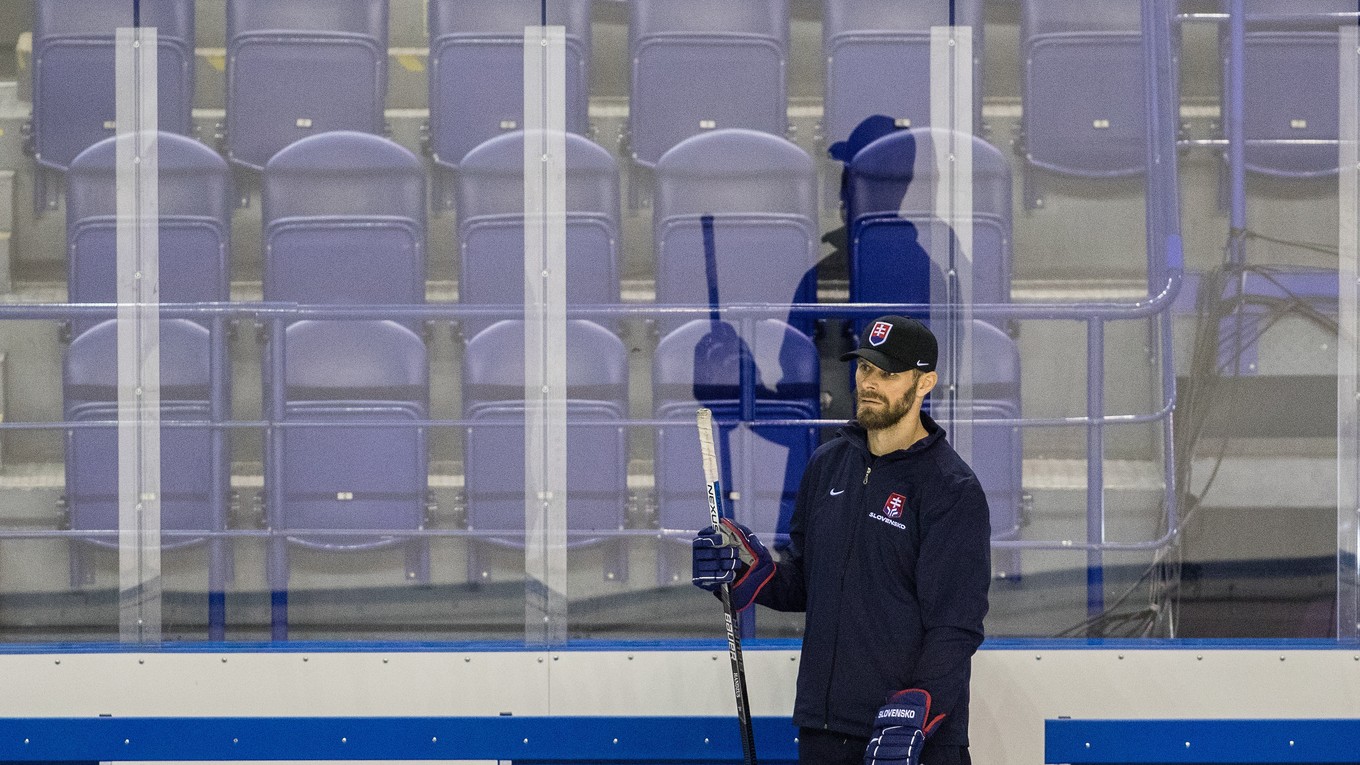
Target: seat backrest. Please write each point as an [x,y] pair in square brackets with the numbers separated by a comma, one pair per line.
[349,475]
[476,69]
[493,398]
[493,365]
[90,386]
[73,71]
[90,370]
[297,68]
[761,191]
[356,361]
[878,60]
[658,18]
[700,65]
[360,17]
[491,180]
[490,188]
[997,450]
[195,203]
[785,362]
[1276,61]
[995,367]
[913,262]
[1083,87]
[344,221]
[899,174]
[762,466]
[734,171]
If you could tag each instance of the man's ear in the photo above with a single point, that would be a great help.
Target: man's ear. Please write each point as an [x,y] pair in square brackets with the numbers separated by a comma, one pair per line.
[926,383]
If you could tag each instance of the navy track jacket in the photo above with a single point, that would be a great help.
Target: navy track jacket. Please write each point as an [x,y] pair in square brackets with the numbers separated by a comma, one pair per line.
[890,558]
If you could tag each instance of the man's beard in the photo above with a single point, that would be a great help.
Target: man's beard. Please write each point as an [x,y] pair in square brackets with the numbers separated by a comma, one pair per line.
[882,417]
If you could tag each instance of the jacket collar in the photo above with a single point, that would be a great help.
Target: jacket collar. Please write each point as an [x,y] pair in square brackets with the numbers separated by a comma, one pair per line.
[859,438]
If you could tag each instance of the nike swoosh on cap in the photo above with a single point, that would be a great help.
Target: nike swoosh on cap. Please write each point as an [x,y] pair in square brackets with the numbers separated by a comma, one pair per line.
[922,363]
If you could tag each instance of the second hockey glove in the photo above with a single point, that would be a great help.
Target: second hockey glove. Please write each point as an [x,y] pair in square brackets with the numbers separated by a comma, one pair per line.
[733,555]
[901,728]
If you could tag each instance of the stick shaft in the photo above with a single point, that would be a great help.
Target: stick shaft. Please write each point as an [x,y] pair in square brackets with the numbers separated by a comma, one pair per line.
[708,447]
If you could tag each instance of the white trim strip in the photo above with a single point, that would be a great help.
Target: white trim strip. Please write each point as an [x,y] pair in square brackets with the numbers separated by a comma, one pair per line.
[951,245]
[139,406]
[545,336]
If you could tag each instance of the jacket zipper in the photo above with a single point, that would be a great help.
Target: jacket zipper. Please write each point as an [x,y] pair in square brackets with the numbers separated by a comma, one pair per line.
[835,639]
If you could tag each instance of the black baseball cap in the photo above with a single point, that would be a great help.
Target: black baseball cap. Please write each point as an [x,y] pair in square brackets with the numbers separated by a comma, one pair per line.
[896,344]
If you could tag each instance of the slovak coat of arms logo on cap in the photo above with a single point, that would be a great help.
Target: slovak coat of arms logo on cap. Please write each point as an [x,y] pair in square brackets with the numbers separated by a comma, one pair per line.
[893,507]
[879,334]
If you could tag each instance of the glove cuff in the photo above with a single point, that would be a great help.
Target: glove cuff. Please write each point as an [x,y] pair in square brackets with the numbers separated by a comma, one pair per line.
[922,696]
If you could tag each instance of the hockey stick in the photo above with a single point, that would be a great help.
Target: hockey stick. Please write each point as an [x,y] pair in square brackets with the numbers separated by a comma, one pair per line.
[715,515]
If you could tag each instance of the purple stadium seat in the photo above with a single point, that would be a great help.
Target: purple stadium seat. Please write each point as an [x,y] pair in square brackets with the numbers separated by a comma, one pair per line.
[1276,107]
[700,65]
[195,201]
[350,475]
[763,465]
[761,191]
[477,69]
[597,454]
[491,225]
[90,387]
[878,60]
[344,222]
[297,68]
[1083,87]
[73,71]
[890,204]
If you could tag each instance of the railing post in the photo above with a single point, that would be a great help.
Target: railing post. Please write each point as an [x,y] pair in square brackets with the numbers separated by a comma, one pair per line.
[219,555]
[277,551]
[1095,469]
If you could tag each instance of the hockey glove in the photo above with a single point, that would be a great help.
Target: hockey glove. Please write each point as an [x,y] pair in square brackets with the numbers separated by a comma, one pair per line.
[732,555]
[901,729]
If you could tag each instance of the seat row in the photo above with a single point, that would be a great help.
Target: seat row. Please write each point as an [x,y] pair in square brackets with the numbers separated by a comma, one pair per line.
[344,222]
[346,458]
[300,67]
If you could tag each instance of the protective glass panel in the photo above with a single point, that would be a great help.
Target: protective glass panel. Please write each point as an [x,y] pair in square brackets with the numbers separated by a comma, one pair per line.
[390,320]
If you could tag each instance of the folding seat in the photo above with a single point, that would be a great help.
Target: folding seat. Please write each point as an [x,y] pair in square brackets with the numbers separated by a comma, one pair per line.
[759,191]
[193,459]
[878,60]
[194,209]
[360,463]
[491,225]
[73,73]
[763,465]
[700,65]
[298,68]
[597,441]
[1278,58]
[477,70]
[1083,88]
[896,232]
[344,222]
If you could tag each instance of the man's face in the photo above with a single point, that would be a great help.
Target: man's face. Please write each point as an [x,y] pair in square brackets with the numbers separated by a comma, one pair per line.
[883,398]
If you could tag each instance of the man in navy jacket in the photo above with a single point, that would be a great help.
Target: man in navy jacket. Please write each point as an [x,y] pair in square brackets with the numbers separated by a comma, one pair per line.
[889,556]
